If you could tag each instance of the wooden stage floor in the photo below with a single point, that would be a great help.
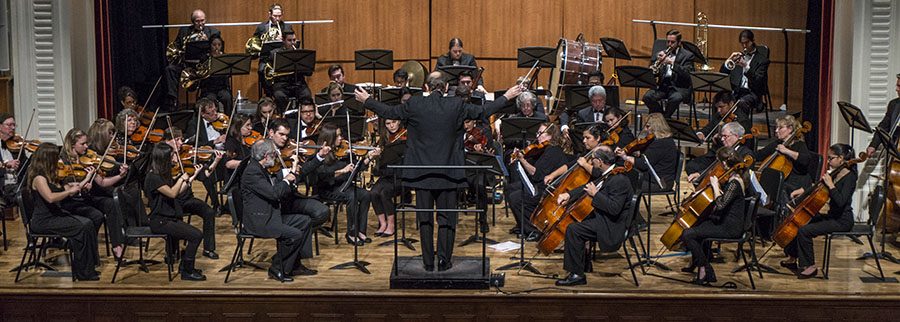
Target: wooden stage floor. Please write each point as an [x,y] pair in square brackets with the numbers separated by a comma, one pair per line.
[610,279]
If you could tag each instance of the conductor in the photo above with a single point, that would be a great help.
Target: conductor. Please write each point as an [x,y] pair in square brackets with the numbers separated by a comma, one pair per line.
[435,130]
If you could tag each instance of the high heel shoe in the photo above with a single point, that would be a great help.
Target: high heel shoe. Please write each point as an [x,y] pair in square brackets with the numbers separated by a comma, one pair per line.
[354,241]
[804,276]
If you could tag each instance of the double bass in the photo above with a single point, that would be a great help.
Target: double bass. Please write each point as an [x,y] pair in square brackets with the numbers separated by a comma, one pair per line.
[554,231]
[697,206]
[809,206]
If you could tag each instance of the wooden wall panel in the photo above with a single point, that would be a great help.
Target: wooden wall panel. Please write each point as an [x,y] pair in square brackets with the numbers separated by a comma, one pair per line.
[492,30]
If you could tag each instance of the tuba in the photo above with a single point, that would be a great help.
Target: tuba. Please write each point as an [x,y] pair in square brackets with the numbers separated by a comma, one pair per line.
[255,43]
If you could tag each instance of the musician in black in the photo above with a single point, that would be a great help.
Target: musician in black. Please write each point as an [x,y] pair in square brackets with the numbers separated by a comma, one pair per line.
[723,102]
[660,156]
[127,98]
[271,30]
[589,114]
[435,134]
[401,78]
[217,87]
[235,148]
[386,188]
[591,138]
[336,75]
[201,132]
[11,161]
[673,78]
[606,224]
[889,122]
[536,168]
[730,135]
[797,153]
[748,72]
[841,186]
[197,31]
[263,194]
[725,221]
[292,85]
[615,115]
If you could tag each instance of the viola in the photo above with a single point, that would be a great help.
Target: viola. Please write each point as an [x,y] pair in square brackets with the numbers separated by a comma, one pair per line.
[252,138]
[16,143]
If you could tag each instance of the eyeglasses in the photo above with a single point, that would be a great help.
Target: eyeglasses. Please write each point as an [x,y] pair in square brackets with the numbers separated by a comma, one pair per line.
[833,157]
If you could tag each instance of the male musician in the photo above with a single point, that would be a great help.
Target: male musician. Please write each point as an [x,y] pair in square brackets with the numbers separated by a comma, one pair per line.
[196,32]
[401,78]
[434,139]
[10,161]
[590,114]
[595,78]
[292,85]
[889,122]
[456,57]
[723,101]
[606,224]
[298,204]
[307,117]
[674,78]
[731,134]
[207,135]
[336,75]
[748,72]
[262,195]
[272,27]
[217,87]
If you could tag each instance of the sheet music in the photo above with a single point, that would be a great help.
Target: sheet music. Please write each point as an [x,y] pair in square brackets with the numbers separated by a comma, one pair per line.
[525,181]
[763,197]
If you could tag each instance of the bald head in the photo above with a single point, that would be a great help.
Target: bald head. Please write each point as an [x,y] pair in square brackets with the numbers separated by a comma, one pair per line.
[435,81]
[198,19]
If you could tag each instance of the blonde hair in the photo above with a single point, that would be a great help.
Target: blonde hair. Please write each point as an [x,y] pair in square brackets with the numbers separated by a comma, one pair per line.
[658,126]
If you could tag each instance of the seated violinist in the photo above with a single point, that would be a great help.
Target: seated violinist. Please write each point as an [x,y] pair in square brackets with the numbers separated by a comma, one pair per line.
[11,159]
[48,217]
[100,136]
[796,152]
[606,224]
[659,160]
[725,221]
[841,184]
[732,137]
[309,119]
[127,98]
[386,188]
[551,156]
[591,138]
[334,173]
[238,141]
[206,130]
[724,101]
[186,200]
[126,126]
[614,116]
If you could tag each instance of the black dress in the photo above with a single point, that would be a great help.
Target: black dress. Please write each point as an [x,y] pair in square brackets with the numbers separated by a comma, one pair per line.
[663,157]
[725,221]
[50,218]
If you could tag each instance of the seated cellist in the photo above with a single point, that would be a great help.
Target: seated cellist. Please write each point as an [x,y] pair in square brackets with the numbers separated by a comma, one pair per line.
[840,186]
[606,224]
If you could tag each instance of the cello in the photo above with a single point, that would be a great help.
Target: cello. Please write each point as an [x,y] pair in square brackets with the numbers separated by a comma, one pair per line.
[717,168]
[555,232]
[812,202]
[781,162]
[548,210]
[697,206]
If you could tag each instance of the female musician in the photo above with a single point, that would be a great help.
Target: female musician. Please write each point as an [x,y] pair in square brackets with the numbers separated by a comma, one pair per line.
[384,190]
[661,155]
[455,56]
[725,221]
[236,143]
[612,117]
[90,205]
[50,218]
[333,173]
[128,98]
[126,125]
[475,139]
[265,113]
[536,168]
[606,224]
[591,139]
[166,211]
[9,160]
[839,217]
[217,88]
[99,135]
[797,152]
[335,93]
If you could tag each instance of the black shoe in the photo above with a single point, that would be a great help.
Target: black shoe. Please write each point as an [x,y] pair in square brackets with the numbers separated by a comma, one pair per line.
[93,276]
[533,237]
[688,269]
[387,235]
[193,275]
[572,280]
[789,265]
[444,265]
[367,240]
[429,268]
[279,276]
[357,241]
[803,277]
[515,230]
[302,270]
[211,254]
[325,232]
[379,234]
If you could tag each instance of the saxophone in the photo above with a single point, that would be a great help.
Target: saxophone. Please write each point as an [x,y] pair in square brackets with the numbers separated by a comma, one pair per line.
[702,36]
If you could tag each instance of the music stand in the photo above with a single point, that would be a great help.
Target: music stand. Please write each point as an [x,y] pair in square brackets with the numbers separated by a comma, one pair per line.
[510,106]
[615,49]
[706,83]
[576,134]
[520,128]
[268,47]
[527,56]
[196,51]
[577,97]
[481,226]
[357,125]
[391,95]
[452,72]
[636,77]
[374,59]
[854,118]
[682,131]
[230,64]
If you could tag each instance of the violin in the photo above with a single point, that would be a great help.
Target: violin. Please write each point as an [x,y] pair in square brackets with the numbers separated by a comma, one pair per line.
[221,122]
[203,153]
[613,137]
[73,172]
[252,138]
[397,136]
[343,149]
[639,144]
[92,159]
[116,151]
[474,136]
[184,166]
[531,151]
[16,143]
[154,136]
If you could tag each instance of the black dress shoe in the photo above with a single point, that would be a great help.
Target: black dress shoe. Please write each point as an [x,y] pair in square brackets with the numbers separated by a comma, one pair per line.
[572,280]
[279,276]
[367,240]
[356,241]
[444,265]
[192,276]
[302,270]
[429,268]
[789,265]
[379,234]
[92,276]
[515,230]
[210,254]
[533,237]
[387,235]
[803,277]
[688,269]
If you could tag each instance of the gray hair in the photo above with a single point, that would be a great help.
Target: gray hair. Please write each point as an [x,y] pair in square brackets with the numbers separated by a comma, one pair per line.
[735,128]
[606,155]
[262,148]
[597,90]
[436,81]
[526,96]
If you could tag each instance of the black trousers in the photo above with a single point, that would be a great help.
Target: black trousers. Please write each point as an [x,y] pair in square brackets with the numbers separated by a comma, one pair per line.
[577,235]
[522,206]
[131,196]
[81,234]
[358,201]
[674,96]
[802,246]
[383,192]
[293,234]
[443,199]
[177,230]
[317,213]
[172,74]
[198,207]
[694,236]
[747,101]
[84,208]
[115,222]
[283,91]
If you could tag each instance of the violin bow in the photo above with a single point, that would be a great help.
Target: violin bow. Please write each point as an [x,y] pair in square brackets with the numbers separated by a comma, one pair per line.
[27,129]
[149,128]
[180,164]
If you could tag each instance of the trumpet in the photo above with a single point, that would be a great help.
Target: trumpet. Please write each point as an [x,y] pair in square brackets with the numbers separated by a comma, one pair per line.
[659,62]
[730,64]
